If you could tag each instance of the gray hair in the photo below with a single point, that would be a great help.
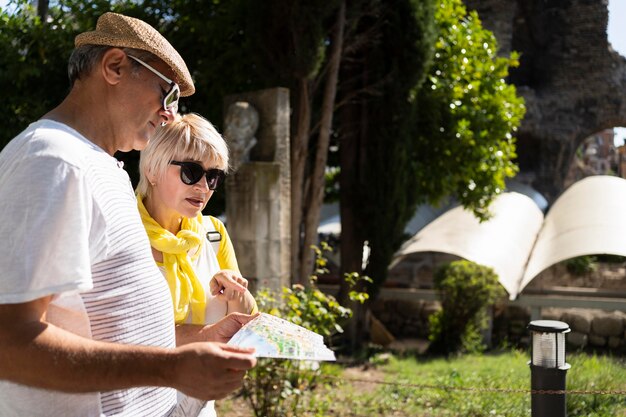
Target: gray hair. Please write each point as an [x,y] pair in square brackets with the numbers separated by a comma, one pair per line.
[188,137]
[85,57]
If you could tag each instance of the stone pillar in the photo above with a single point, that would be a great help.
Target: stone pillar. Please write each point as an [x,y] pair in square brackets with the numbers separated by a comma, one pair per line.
[258,194]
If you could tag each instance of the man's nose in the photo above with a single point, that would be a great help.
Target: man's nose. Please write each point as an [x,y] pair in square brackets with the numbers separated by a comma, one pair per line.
[168,116]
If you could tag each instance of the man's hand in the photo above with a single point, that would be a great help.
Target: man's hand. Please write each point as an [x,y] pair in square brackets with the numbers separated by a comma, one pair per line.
[36,353]
[210,371]
[224,329]
[221,331]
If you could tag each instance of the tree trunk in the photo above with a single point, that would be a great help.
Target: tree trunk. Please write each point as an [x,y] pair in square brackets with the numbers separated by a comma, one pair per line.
[353,232]
[351,165]
[299,145]
[42,9]
[315,195]
[352,159]
[352,149]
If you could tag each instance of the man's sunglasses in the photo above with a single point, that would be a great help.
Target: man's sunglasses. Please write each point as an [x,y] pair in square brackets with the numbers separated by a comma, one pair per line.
[192,172]
[173,94]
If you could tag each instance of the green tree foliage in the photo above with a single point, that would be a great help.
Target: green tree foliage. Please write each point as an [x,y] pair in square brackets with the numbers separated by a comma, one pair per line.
[292,43]
[467,114]
[466,291]
[214,41]
[34,54]
[210,36]
[33,62]
[242,45]
[428,113]
[450,135]
[396,65]
[388,55]
[230,46]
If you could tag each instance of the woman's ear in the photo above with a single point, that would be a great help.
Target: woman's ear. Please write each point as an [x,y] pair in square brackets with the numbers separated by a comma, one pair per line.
[111,65]
[151,177]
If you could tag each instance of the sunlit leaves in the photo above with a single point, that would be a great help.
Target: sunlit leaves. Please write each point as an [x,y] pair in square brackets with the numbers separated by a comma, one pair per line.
[468,113]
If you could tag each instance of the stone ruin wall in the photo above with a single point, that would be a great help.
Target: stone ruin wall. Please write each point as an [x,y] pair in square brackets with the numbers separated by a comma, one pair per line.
[595,329]
[591,329]
[573,82]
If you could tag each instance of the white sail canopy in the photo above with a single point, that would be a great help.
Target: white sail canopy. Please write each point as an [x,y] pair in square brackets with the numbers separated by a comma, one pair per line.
[518,243]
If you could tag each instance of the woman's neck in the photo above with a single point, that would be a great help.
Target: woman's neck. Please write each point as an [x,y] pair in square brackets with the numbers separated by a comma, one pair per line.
[168,220]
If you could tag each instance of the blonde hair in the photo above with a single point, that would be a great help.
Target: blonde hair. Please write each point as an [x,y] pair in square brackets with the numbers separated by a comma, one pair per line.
[188,137]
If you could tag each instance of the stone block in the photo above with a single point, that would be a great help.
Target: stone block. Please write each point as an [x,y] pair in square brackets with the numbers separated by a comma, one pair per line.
[411,330]
[577,339]
[518,327]
[551,314]
[595,340]
[273,133]
[430,308]
[607,325]
[378,307]
[385,317]
[258,194]
[614,342]
[513,312]
[408,308]
[578,320]
[394,327]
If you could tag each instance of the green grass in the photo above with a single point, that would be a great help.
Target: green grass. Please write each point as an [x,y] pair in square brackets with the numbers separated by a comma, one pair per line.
[504,371]
[596,373]
[507,370]
[463,387]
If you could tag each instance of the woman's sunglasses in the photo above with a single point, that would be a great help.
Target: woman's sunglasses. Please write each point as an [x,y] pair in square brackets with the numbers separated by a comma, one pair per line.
[192,172]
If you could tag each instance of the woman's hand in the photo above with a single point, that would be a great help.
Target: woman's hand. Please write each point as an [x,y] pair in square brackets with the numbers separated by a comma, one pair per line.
[228,285]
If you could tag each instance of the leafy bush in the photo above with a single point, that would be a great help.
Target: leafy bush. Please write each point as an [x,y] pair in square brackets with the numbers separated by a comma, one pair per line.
[581,265]
[465,290]
[276,387]
[611,259]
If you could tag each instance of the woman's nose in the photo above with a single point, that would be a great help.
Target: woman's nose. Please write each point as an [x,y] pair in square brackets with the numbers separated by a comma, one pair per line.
[202,184]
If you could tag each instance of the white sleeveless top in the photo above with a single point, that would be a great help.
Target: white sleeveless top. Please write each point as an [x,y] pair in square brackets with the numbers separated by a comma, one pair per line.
[205,266]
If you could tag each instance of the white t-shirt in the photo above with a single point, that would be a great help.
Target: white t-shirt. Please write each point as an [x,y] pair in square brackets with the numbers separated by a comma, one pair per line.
[71,228]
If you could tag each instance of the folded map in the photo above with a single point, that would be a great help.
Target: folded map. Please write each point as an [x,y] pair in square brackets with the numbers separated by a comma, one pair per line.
[273,337]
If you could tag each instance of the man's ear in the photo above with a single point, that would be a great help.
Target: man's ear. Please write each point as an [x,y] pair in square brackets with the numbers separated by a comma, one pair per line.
[111,65]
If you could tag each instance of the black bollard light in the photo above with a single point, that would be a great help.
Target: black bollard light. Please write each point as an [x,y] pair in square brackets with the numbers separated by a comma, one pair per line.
[548,367]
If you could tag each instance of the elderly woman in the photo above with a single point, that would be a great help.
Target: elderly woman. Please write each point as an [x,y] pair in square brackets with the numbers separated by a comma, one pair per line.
[179,170]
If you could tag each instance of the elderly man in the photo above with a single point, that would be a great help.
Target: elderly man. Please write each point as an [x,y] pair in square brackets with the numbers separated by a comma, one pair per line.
[86,319]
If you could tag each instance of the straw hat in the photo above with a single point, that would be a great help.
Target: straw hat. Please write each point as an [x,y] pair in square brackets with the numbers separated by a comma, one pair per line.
[126,32]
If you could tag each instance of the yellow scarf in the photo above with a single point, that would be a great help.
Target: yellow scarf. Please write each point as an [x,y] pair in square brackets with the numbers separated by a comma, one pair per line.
[186,289]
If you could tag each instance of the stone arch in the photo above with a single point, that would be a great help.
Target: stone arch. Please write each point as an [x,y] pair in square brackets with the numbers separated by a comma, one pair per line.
[597,155]
[573,82]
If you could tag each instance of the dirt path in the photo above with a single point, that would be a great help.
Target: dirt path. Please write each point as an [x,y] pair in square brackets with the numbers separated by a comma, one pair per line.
[357,377]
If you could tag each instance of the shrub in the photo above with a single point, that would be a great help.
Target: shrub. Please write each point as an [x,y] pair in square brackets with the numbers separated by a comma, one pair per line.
[466,291]
[276,387]
[581,265]
[611,259]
